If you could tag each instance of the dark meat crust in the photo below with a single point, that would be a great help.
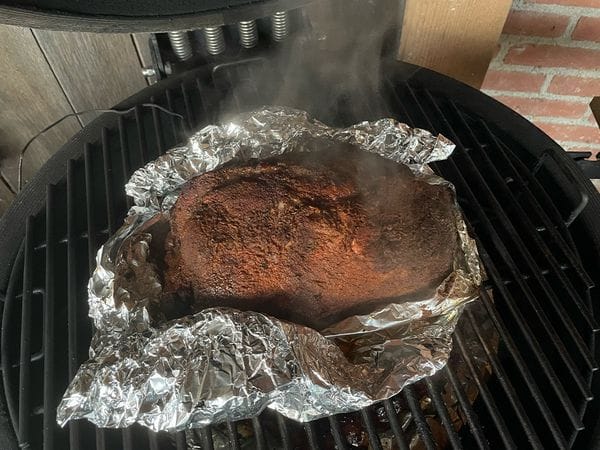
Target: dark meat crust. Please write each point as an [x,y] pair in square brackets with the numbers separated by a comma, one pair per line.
[309,237]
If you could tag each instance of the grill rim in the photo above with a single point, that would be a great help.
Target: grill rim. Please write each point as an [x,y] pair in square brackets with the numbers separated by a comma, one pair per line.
[54,170]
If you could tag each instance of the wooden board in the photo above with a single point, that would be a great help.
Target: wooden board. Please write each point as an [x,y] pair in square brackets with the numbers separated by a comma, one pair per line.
[46,75]
[94,70]
[30,99]
[454,37]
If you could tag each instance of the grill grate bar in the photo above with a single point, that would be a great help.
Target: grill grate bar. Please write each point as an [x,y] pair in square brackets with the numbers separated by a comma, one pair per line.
[153,440]
[374,441]
[258,434]
[471,415]
[231,85]
[6,347]
[176,131]
[208,113]
[158,134]
[395,425]
[141,134]
[110,204]
[511,394]
[421,424]
[485,393]
[205,112]
[180,440]
[25,351]
[127,439]
[574,261]
[254,88]
[189,112]
[336,432]
[89,188]
[232,434]
[311,435]
[532,385]
[48,345]
[72,339]
[283,432]
[571,329]
[206,438]
[499,244]
[438,402]
[124,156]
[100,438]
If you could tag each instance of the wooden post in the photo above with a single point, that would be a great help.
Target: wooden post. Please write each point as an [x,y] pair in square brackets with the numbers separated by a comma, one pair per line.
[454,37]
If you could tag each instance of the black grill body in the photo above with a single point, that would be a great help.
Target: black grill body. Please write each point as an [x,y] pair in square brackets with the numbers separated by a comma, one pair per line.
[534,216]
[113,16]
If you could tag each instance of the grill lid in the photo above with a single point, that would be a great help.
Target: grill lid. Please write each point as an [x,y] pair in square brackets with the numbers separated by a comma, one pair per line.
[136,15]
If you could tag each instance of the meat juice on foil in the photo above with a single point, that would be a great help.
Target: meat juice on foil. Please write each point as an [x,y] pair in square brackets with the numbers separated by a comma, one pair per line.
[223,364]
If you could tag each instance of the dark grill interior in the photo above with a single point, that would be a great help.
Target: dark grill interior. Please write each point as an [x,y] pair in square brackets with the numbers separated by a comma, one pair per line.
[532,217]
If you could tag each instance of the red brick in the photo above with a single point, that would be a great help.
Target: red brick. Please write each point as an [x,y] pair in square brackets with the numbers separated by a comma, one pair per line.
[553,56]
[571,85]
[513,81]
[544,107]
[530,23]
[571,133]
[587,29]
[584,3]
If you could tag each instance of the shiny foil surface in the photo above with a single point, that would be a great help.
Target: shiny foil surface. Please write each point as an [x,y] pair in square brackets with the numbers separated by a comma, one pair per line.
[224,364]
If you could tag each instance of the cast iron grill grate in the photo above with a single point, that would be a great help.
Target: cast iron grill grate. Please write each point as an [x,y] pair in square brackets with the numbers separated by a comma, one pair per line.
[523,206]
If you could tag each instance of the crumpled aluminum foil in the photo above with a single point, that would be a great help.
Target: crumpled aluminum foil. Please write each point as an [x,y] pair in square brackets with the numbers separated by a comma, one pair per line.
[223,364]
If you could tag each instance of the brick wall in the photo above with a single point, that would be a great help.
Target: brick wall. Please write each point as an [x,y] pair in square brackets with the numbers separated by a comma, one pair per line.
[548,68]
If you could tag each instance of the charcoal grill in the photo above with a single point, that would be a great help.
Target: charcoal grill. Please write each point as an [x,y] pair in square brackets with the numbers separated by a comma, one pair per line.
[535,217]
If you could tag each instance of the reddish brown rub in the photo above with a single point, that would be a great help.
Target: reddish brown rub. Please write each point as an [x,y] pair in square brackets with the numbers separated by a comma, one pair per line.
[309,237]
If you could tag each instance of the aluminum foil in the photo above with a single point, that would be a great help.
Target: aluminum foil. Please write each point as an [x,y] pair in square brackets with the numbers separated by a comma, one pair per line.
[224,364]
